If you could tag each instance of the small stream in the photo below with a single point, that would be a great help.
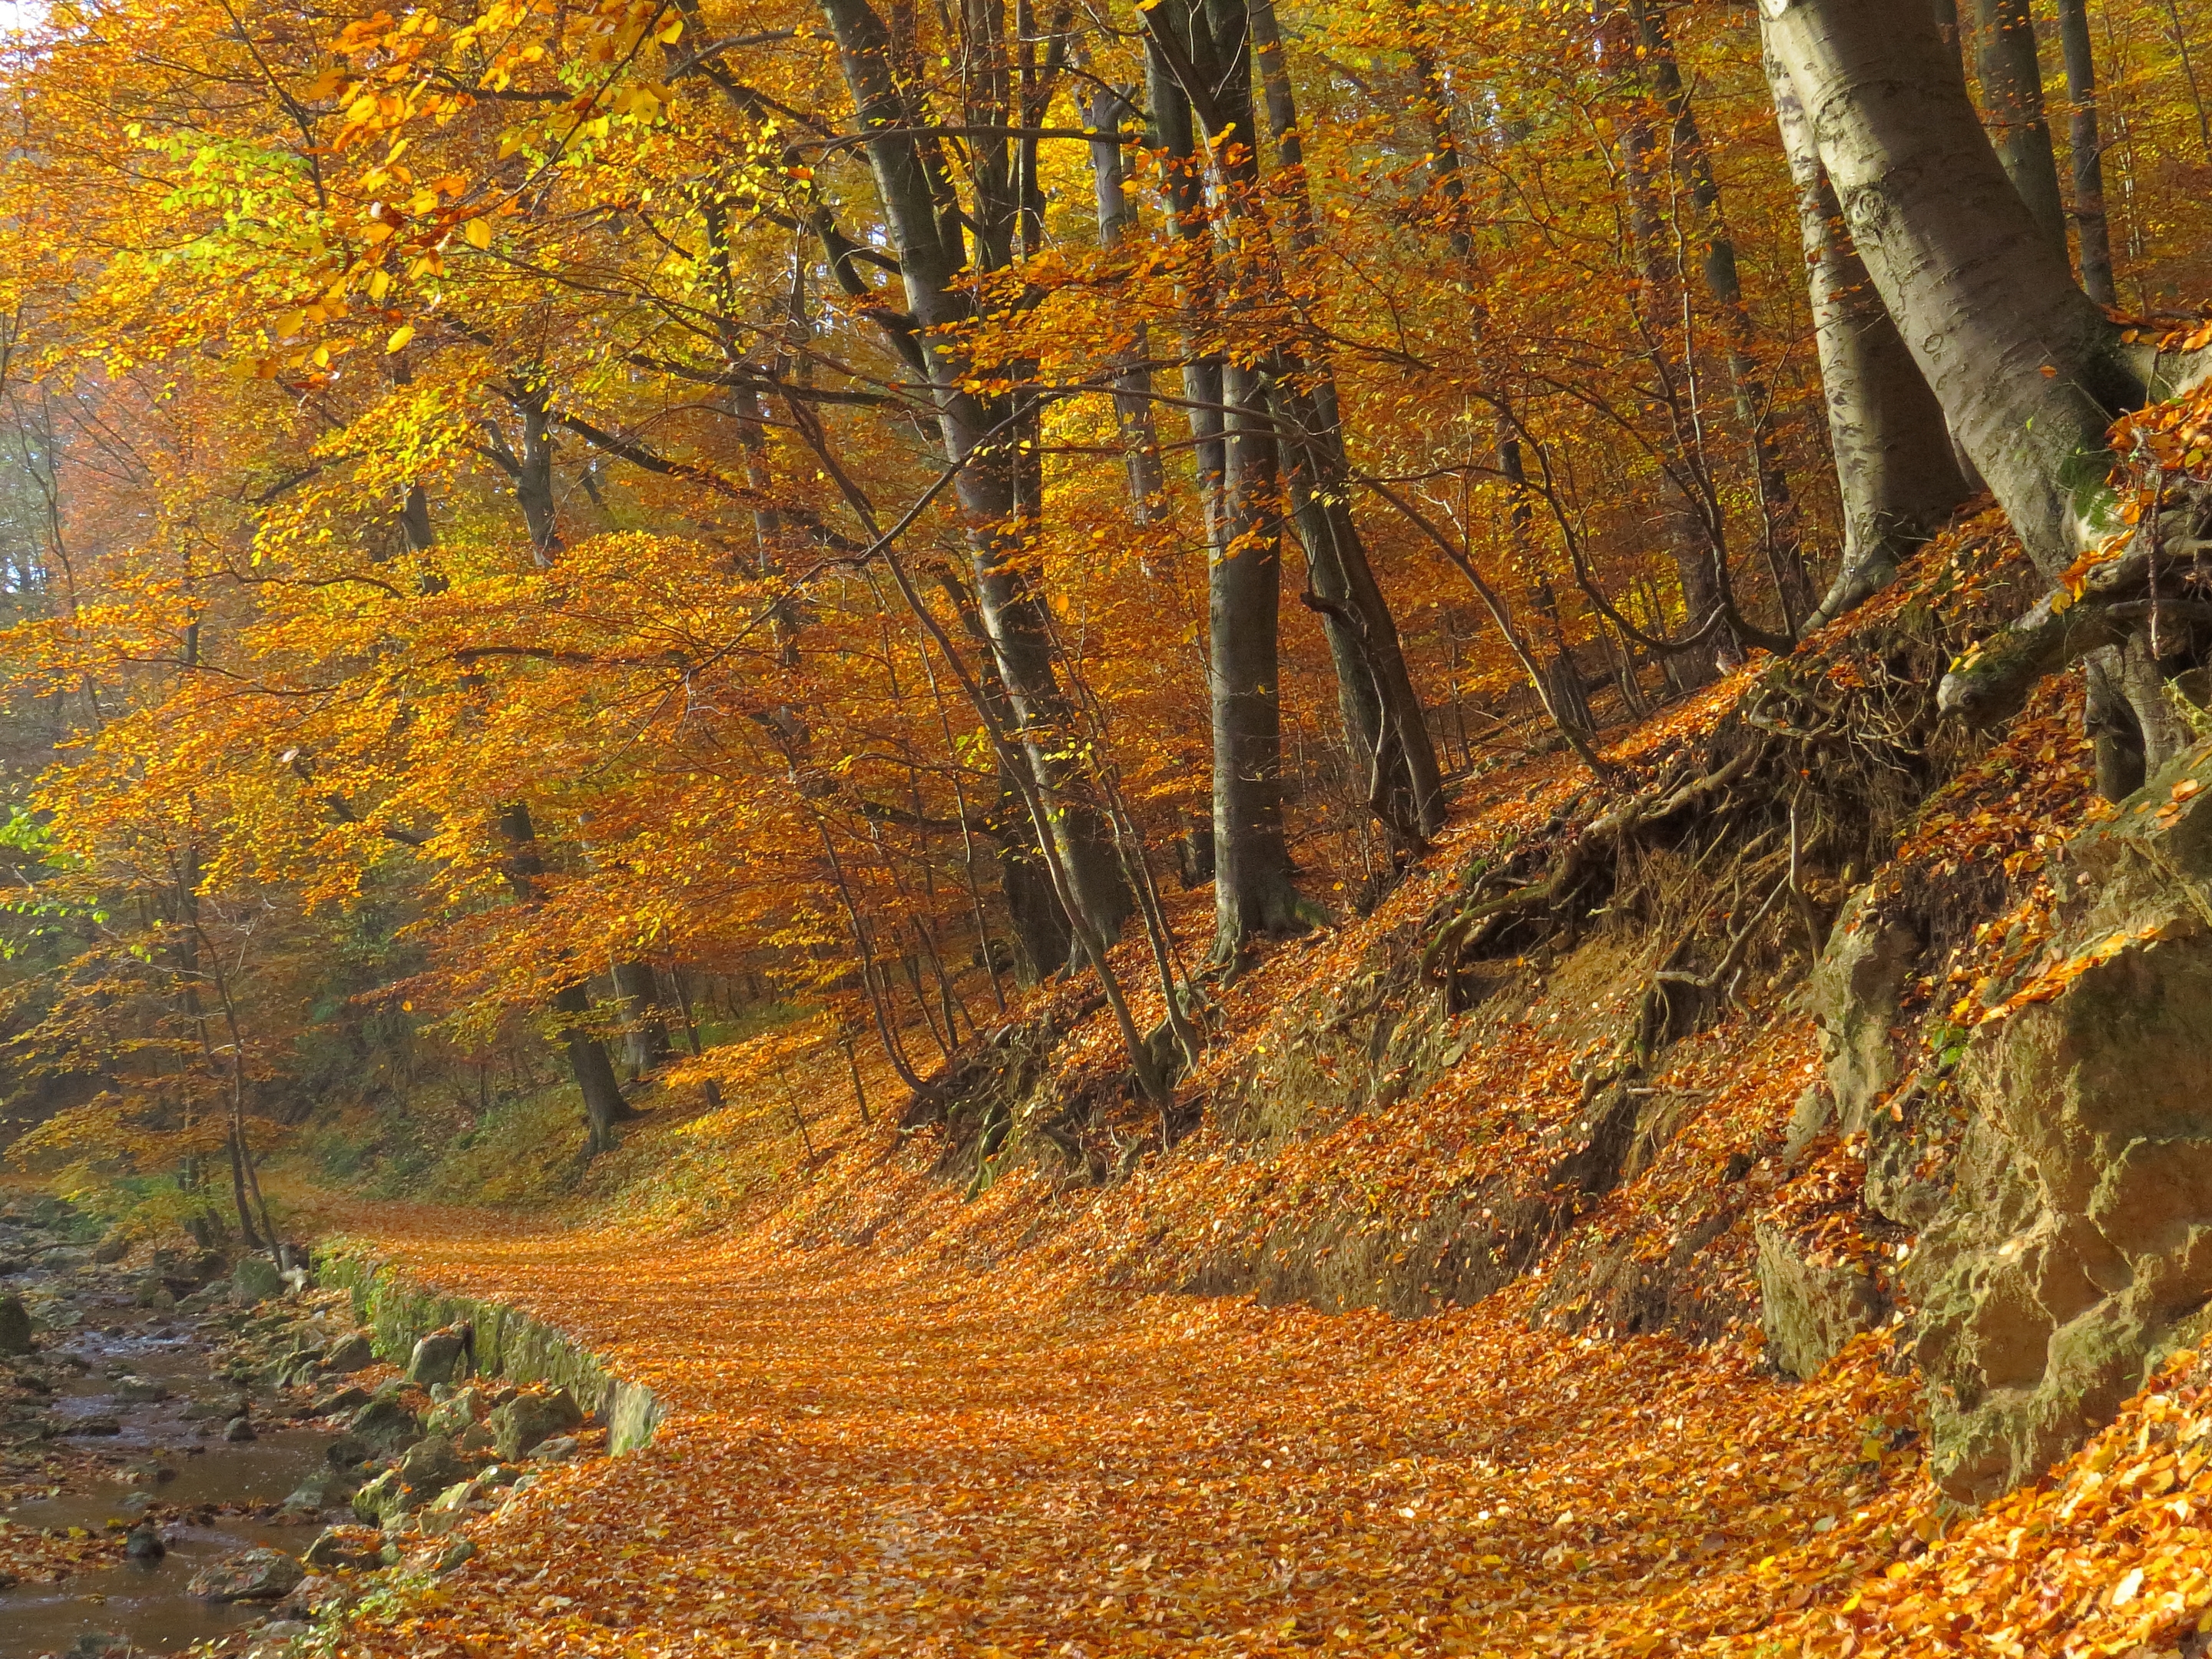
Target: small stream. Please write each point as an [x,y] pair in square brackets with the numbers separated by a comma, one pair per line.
[171,1463]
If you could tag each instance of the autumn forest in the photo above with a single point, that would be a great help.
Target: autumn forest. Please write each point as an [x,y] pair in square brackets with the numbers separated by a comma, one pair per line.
[1205,826]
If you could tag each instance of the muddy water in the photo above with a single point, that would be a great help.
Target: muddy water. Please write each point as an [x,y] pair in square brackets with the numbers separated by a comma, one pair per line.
[171,1464]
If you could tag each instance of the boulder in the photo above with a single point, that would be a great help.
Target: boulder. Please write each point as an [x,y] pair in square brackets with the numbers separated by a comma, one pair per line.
[2073,1248]
[14,1325]
[1854,992]
[385,1423]
[322,1489]
[350,1352]
[347,1399]
[94,1425]
[347,1452]
[143,1543]
[112,1248]
[254,1575]
[344,1546]
[256,1279]
[139,1391]
[558,1449]
[431,1466]
[380,1499]
[442,1355]
[1812,1305]
[240,1428]
[151,1292]
[528,1419]
[455,1415]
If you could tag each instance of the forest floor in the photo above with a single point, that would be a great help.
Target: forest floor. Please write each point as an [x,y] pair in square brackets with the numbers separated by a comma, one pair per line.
[913,1412]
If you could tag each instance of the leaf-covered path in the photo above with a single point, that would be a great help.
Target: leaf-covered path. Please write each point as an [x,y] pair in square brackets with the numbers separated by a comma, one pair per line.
[863,1460]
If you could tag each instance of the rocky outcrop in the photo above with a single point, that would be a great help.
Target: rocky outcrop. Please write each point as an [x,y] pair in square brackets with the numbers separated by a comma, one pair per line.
[1813,1302]
[2073,1248]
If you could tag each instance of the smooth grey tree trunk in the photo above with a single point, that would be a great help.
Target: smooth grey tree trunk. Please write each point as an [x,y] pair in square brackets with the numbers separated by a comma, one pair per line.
[1105,110]
[1892,452]
[1208,50]
[2028,371]
[980,435]
[2010,70]
[645,1044]
[1183,180]
[2092,230]
[1716,262]
[1386,731]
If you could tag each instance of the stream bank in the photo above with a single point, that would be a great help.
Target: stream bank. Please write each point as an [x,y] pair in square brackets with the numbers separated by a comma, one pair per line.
[195,1451]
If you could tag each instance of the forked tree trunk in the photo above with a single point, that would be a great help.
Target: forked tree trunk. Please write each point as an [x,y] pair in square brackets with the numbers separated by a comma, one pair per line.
[645,1045]
[2028,371]
[1386,731]
[1893,464]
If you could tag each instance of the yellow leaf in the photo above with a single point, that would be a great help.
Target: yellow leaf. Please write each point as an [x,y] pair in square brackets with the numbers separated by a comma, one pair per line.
[478,231]
[380,284]
[290,323]
[400,337]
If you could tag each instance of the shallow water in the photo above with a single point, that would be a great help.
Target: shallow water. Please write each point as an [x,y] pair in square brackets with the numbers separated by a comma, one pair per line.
[146,1601]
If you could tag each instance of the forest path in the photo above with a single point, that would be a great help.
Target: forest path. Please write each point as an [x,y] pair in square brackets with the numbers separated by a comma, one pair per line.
[862,1459]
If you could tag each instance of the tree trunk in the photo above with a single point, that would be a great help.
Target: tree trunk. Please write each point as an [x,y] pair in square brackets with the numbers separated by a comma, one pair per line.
[2011,73]
[603,1105]
[2092,233]
[1893,451]
[1252,891]
[2027,370]
[1106,111]
[1208,50]
[1182,179]
[1716,262]
[1386,731]
[980,433]
[645,1044]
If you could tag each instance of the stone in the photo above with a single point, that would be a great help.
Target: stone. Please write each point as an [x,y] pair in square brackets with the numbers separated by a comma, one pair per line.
[343,1546]
[1854,992]
[317,1596]
[351,1398]
[151,1292]
[528,1419]
[438,1356]
[455,1414]
[477,1437]
[456,1554]
[350,1352]
[14,1325]
[322,1489]
[112,1248]
[385,1423]
[2073,1247]
[380,1499]
[239,1428]
[142,1543]
[256,1574]
[100,1644]
[1810,1309]
[430,1465]
[559,1450]
[139,1391]
[347,1452]
[256,1279]
[93,1425]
